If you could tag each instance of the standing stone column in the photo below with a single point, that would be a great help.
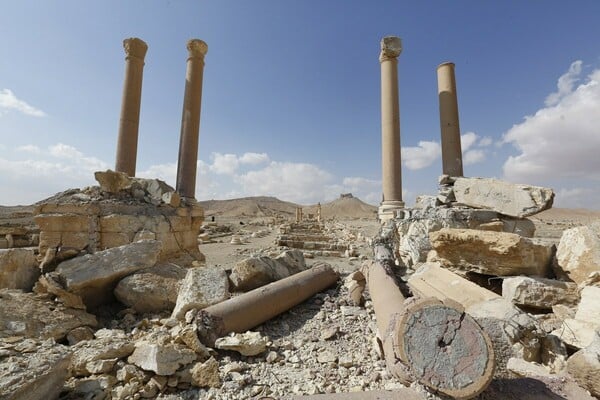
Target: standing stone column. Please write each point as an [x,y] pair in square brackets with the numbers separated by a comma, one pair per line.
[449,127]
[135,50]
[190,119]
[391,47]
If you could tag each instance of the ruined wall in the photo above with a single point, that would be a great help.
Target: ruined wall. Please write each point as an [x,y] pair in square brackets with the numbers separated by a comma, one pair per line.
[95,219]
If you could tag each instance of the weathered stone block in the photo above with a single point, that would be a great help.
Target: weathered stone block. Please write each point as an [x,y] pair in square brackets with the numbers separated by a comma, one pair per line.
[153,290]
[109,240]
[18,269]
[161,359]
[584,366]
[503,197]
[94,276]
[430,280]
[120,223]
[539,292]
[201,288]
[38,375]
[26,314]
[491,253]
[63,222]
[578,253]
[258,271]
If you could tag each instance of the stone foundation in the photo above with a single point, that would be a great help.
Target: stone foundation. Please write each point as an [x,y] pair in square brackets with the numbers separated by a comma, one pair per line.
[93,220]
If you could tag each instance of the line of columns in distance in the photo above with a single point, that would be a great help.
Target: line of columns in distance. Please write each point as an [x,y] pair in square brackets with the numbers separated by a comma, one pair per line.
[391,47]
[135,51]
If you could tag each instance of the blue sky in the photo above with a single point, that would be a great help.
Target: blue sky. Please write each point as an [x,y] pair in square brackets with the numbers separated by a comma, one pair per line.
[291,94]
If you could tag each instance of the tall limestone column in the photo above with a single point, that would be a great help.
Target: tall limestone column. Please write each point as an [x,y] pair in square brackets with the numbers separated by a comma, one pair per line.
[135,50]
[391,47]
[190,119]
[449,127]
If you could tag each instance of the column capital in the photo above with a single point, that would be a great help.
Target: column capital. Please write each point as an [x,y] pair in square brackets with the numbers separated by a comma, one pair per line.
[197,48]
[135,47]
[446,64]
[391,47]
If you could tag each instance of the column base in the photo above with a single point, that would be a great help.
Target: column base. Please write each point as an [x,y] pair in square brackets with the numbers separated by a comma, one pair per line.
[387,209]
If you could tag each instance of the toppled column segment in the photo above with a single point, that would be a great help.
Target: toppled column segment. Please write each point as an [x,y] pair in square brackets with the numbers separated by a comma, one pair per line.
[250,309]
[439,345]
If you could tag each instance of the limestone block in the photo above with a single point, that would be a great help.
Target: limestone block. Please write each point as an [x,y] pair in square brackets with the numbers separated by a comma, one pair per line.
[576,333]
[430,280]
[355,283]
[578,253]
[494,226]
[491,253]
[206,374]
[67,208]
[201,288]
[112,181]
[526,369]
[94,276]
[30,315]
[88,355]
[144,234]
[37,375]
[171,198]
[80,334]
[589,306]
[539,292]
[63,222]
[157,223]
[521,226]
[254,272]
[161,359]
[76,240]
[178,223]
[18,269]
[109,240]
[120,223]
[247,344]
[505,198]
[48,283]
[584,366]
[151,290]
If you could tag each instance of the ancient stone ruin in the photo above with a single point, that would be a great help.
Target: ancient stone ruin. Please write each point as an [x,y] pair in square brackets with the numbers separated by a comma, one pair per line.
[105,293]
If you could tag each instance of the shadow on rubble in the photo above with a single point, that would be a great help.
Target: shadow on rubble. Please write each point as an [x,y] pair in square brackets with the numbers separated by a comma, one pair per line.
[519,389]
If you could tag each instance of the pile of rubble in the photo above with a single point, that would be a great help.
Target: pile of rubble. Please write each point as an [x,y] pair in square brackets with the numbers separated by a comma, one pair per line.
[474,246]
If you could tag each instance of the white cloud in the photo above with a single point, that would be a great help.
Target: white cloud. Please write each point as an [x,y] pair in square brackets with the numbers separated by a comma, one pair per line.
[468,140]
[41,172]
[421,156]
[578,197]
[473,156]
[9,101]
[565,84]
[225,164]
[298,182]
[560,141]
[254,158]
[52,170]
[485,141]
[29,148]
[358,182]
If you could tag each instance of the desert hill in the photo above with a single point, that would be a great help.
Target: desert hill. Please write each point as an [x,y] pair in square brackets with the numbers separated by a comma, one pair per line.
[260,206]
[345,206]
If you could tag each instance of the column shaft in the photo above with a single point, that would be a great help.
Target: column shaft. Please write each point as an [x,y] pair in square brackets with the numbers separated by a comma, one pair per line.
[390,132]
[130,106]
[449,125]
[190,119]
